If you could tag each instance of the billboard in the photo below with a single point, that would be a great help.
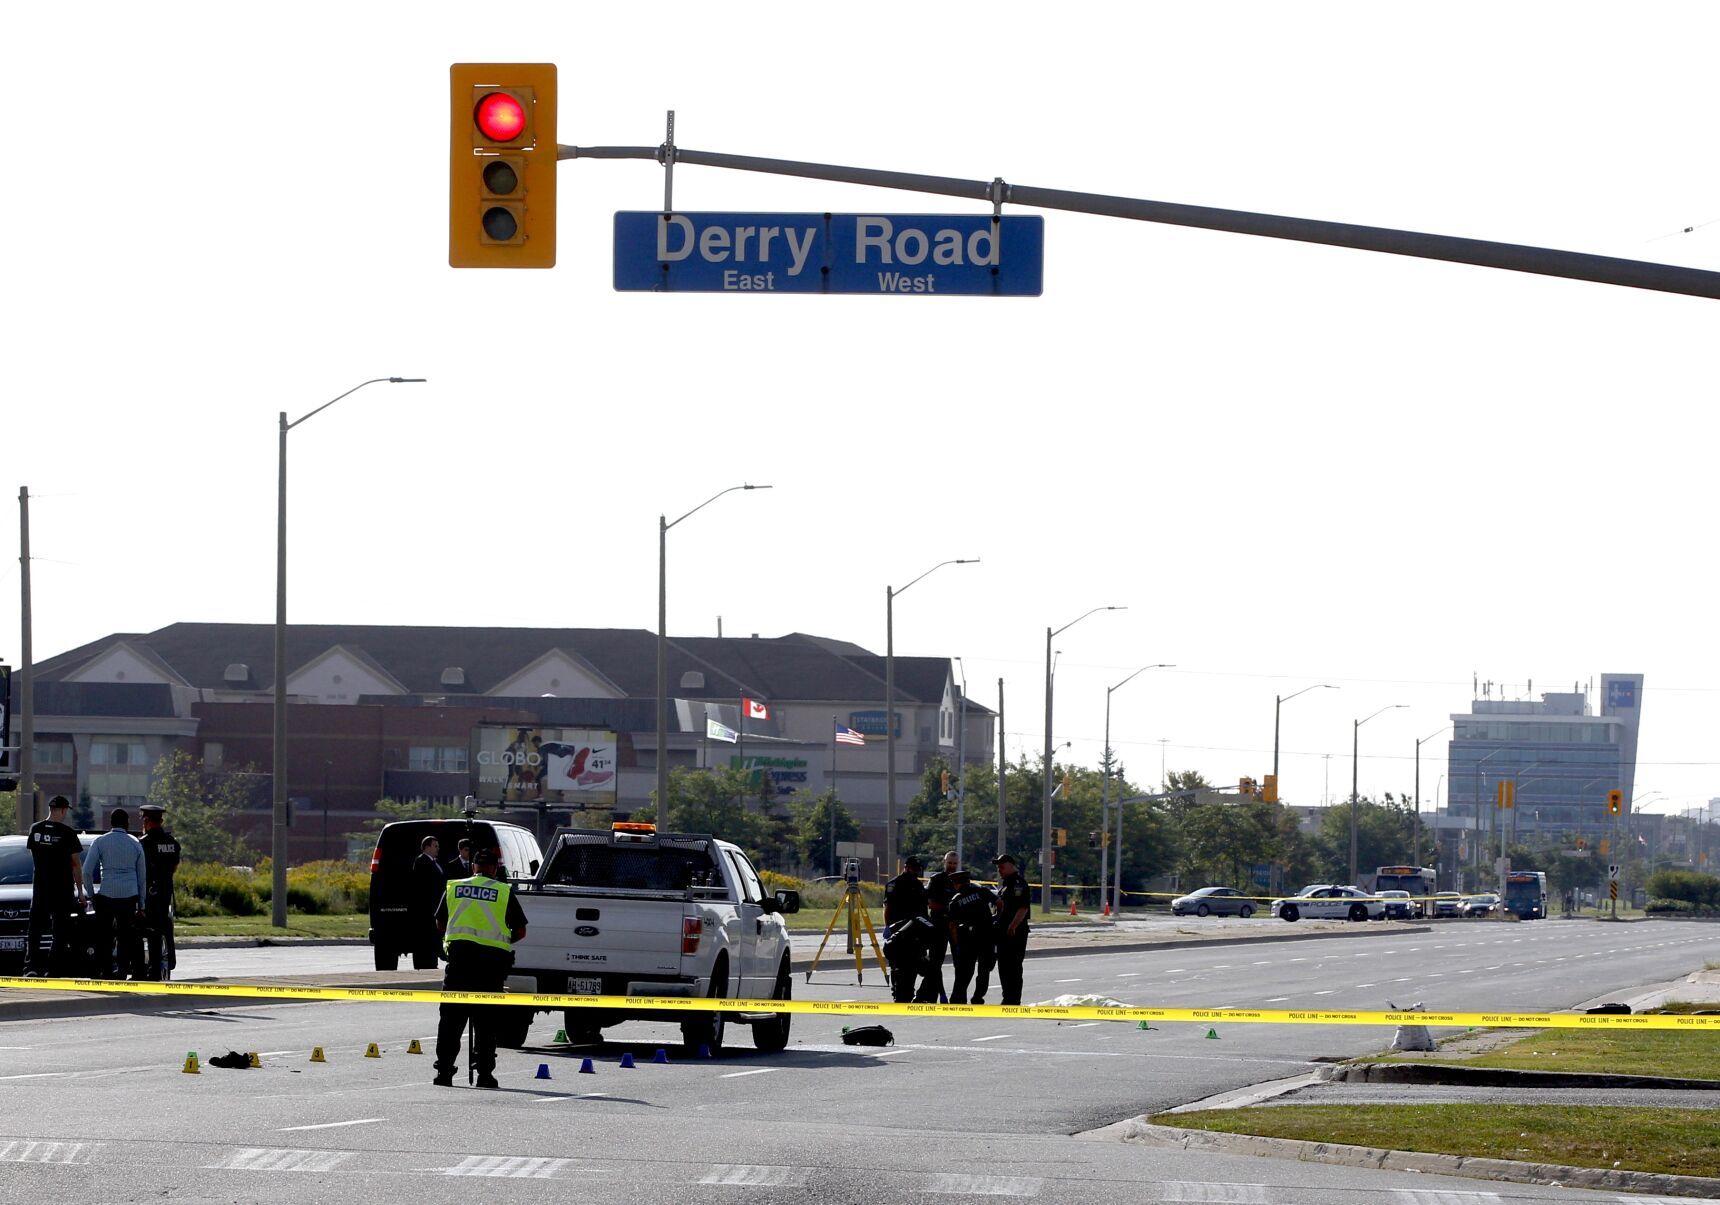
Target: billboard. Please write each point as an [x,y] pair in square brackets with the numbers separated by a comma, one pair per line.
[566,767]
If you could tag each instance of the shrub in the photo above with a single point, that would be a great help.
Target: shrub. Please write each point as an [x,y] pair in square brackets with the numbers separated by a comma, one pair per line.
[209,889]
[1690,886]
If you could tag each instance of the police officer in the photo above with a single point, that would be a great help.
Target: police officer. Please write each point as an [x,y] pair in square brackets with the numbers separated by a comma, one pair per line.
[54,849]
[939,889]
[971,937]
[160,860]
[1014,903]
[481,920]
[906,928]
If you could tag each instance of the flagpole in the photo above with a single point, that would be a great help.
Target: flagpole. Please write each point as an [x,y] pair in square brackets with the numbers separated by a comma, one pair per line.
[832,794]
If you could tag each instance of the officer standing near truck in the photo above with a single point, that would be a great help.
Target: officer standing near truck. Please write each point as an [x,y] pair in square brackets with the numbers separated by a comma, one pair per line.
[160,860]
[481,920]
[1014,903]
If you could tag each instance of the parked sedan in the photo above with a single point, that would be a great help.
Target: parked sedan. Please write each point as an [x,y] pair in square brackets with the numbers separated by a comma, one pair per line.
[1447,903]
[1399,905]
[1213,901]
[1329,901]
[1479,905]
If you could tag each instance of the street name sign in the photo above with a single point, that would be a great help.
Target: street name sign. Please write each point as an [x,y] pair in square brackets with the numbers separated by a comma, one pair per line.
[971,255]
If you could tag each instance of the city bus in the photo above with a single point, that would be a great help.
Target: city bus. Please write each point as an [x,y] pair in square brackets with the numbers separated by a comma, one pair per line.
[1526,894]
[1419,881]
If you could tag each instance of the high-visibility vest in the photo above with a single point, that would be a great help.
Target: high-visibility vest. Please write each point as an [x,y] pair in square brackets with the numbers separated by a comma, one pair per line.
[478,912]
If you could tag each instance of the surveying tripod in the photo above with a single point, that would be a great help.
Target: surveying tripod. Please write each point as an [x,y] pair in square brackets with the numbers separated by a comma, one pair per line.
[853,905]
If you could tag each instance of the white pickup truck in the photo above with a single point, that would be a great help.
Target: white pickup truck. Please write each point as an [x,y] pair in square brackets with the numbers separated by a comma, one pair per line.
[629,911]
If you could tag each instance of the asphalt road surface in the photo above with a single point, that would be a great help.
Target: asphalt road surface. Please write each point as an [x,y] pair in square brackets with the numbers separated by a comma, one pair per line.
[98,1108]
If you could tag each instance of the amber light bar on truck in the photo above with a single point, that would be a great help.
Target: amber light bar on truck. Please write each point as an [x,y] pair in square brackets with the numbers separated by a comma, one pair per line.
[632,832]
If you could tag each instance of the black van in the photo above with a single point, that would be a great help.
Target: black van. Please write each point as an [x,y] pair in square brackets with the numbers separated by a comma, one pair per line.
[398,924]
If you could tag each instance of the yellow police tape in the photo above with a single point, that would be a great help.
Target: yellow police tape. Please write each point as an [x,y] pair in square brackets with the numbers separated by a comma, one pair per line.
[874,1008]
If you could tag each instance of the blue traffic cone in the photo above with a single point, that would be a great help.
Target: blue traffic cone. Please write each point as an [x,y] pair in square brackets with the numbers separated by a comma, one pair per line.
[662,1056]
[704,1052]
[543,1071]
[627,1060]
[585,1067]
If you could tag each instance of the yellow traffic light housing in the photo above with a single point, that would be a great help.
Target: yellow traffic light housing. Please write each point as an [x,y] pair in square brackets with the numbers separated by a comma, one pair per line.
[1269,792]
[1615,802]
[501,165]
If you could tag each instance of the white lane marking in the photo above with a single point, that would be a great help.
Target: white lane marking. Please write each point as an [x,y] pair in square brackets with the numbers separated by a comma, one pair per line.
[1326,992]
[28,1151]
[1361,985]
[983,1186]
[1667,1201]
[1264,963]
[581,1096]
[1176,970]
[1298,960]
[996,1037]
[1218,1194]
[1276,999]
[1127,974]
[1443,1196]
[755,1176]
[276,1159]
[754,1071]
[334,1125]
[512,1167]
[1066,981]
[1222,966]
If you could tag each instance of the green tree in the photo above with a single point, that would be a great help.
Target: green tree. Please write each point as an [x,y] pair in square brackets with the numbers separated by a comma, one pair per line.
[815,819]
[1382,837]
[717,802]
[201,804]
[8,811]
[390,810]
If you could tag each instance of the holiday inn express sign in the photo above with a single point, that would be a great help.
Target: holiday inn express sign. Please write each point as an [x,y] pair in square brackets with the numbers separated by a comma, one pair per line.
[973,255]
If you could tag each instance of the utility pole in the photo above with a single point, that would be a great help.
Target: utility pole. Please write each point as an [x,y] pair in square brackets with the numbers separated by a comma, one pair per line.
[27,675]
[1002,766]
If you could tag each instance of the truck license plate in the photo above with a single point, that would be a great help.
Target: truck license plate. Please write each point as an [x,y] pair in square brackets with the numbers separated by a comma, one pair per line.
[579,987]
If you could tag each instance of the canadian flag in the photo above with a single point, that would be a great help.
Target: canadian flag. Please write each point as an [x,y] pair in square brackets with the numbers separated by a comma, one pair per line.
[754,710]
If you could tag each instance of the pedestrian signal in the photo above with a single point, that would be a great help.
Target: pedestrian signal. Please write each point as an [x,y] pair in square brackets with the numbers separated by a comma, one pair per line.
[1062,836]
[501,165]
[1269,792]
[1615,802]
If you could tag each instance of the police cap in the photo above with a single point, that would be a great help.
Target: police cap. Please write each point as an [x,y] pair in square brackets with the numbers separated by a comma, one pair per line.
[153,809]
[1002,858]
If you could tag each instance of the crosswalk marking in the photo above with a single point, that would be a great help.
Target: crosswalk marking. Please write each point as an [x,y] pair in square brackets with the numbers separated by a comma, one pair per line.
[1668,1201]
[1443,1196]
[754,1176]
[517,1167]
[277,1159]
[1214,1194]
[29,1151]
[954,1184]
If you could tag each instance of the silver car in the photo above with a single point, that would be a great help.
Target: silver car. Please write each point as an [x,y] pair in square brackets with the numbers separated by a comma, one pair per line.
[1213,901]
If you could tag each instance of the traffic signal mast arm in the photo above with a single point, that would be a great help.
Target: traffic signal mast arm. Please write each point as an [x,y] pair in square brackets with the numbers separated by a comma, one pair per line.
[1512,257]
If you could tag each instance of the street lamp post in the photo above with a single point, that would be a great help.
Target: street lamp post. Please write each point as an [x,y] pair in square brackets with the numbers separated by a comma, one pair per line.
[890,593]
[1278,701]
[663,526]
[1045,817]
[1355,753]
[1105,797]
[278,784]
[1415,847]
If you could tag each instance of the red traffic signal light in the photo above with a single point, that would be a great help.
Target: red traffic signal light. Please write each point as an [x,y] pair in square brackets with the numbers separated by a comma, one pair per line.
[500,117]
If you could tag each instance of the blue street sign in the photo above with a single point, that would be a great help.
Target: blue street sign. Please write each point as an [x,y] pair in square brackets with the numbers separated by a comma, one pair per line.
[971,255]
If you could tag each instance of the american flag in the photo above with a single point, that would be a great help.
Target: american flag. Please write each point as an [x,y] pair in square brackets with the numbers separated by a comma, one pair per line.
[847,736]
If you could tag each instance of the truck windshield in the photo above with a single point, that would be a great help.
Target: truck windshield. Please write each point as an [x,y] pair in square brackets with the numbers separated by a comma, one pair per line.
[632,868]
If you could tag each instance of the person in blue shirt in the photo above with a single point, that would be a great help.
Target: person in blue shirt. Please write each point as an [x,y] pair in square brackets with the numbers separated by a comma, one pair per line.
[117,859]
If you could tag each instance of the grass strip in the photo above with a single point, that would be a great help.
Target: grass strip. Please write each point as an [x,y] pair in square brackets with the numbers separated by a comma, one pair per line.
[298,925]
[1683,1142]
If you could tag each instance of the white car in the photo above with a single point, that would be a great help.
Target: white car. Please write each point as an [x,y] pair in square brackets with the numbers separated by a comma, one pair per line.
[1329,901]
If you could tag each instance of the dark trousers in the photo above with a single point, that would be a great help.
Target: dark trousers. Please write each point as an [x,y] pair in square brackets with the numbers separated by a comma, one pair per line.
[119,950]
[974,952]
[158,921]
[51,926]
[905,956]
[1010,952]
[482,1018]
[932,965]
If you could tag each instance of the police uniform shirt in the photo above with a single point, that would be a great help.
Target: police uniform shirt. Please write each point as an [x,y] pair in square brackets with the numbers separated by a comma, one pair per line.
[160,860]
[52,845]
[1013,894]
[970,908]
[904,898]
[514,920]
[939,889]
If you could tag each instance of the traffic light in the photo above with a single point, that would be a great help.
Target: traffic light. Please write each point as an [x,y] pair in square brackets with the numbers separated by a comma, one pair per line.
[1269,792]
[501,165]
[944,783]
[1093,839]
[1246,786]
[1505,794]
[1062,835]
[1615,802]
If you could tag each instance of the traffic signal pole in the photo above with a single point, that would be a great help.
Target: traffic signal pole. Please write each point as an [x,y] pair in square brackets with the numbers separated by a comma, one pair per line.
[1511,257]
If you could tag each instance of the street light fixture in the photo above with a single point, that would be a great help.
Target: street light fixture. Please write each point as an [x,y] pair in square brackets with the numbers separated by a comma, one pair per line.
[1105,795]
[1045,818]
[663,526]
[278,785]
[1278,701]
[890,593]
[1355,752]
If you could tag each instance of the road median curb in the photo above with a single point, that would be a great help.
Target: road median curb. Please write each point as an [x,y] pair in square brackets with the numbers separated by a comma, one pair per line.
[1506,1077]
[1616,1179]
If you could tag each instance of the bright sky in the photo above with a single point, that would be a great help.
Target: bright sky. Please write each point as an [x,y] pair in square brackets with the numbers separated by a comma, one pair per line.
[1293,464]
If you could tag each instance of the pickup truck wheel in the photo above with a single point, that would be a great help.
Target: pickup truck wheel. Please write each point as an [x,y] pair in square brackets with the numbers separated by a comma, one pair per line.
[1289,912]
[772,1035]
[1358,912]
[708,1030]
[580,1030]
[424,960]
[386,960]
[513,1026]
